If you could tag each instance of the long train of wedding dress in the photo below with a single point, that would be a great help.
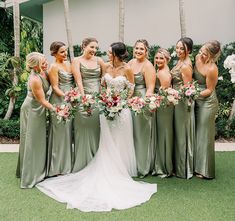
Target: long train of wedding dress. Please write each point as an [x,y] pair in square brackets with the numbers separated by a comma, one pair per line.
[106,182]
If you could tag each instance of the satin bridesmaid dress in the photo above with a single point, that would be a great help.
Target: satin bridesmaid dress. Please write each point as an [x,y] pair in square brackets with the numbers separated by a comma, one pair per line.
[60,134]
[144,128]
[184,132]
[87,128]
[31,166]
[164,143]
[205,111]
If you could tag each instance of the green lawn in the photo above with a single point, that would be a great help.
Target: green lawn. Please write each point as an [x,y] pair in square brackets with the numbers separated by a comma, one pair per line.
[176,199]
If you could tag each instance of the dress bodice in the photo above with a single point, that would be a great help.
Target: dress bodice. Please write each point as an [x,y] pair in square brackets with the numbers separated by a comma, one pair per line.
[90,78]
[199,78]
[139,80]
[118,83]
[65,78]
[176,77]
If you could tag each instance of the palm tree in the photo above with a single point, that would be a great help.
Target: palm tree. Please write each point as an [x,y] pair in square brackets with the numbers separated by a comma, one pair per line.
[182,18]
[68,29]
[121,20]
[16,18]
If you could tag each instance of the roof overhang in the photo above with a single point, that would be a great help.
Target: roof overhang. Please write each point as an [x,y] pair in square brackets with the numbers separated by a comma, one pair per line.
[29,8]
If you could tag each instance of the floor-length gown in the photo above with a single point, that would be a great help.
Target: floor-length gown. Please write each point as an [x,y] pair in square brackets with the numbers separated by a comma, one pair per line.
[60,134]
[205,111]
[106,182]
[87,128]
[184,132]
[163,165]
[144,132]
[31,166]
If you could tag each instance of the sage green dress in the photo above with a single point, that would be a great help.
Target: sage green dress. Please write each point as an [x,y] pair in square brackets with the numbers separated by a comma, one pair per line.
[164,143]
[60,134]
[87,128]
[144,129]
[184,132]
[31,166]
[205,111]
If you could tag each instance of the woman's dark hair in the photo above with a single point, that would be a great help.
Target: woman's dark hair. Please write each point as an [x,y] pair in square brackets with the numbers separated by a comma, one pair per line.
[55,46]
[119,50]
[187,44]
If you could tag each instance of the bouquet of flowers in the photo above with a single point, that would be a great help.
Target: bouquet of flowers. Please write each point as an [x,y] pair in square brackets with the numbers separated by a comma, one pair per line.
[136,104]
[111,102]
[190,92]
[229,63]
[87,103]
[72,96]
[169,96]
[153,102]
[63,112]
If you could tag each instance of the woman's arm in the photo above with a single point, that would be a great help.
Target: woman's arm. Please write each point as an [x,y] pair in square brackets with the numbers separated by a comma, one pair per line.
[77,75]
[130,77]
[211,81]
[53,77]
[37,90]
[150,78]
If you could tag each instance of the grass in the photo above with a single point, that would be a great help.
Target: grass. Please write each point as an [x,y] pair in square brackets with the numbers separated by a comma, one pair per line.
[176,199]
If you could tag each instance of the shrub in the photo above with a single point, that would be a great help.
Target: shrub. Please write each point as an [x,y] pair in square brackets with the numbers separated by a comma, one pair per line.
[10,128]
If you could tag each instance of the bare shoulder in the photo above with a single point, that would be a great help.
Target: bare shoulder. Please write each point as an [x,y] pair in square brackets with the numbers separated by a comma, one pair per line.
[53,68]
[35,81]
[148,66]
[212,70]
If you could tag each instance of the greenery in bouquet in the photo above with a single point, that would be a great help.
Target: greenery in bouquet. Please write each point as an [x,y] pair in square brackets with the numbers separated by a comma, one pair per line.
[87,103]
[63,112]
[111,102]
[169,96]
[72,96]
[136,105]
[190,92]
[153,102]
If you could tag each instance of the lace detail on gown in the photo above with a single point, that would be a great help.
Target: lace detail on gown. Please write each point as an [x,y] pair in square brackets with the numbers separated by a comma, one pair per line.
[106,182]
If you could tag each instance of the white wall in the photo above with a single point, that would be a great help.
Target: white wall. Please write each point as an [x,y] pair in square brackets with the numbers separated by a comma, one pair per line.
[155,20]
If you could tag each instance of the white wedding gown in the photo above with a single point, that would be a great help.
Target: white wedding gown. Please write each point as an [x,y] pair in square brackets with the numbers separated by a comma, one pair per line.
[106,182]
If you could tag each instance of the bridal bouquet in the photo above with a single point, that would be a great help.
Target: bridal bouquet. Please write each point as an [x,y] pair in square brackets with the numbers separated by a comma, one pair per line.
[136,104]
[111,102]
[72,96]
[169,96]
[190,92]
[87,103]
[63,113]
[153,102]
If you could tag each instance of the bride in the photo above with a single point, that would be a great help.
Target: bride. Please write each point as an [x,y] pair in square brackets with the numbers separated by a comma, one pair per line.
[106,182]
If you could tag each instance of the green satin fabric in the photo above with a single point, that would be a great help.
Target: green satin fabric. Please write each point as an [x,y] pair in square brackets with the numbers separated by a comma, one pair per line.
[144,130]
[164,143]
[184,133]
[205,111]
[60,134]
[31,166]
[87,129]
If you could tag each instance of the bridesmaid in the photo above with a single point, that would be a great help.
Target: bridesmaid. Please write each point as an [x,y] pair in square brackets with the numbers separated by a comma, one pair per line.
[31,166]
[164,144]
[144,126]
[60,134]
[184,128]
[206,73]
[87,74]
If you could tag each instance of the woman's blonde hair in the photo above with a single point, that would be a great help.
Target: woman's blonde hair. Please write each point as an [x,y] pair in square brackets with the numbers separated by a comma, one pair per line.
[146,46]
[33,60]
[165,53]
[214,50]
